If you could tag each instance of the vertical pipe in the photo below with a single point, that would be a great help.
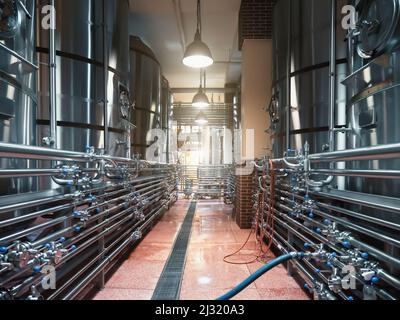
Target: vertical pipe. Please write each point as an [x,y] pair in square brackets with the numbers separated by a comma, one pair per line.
[289,105]
[332,74]
[101,243]
[53,79]
[288,77]
[105,66]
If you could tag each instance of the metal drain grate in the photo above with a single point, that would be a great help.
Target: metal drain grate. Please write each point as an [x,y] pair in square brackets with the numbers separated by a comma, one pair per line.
[169,284]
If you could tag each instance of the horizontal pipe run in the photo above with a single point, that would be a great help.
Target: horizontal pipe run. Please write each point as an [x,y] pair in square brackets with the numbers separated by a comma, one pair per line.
[79,287]
[390,279]
[348,224]
[14,151]
[350,213]
[17,173]
[65,197]
[93,240]
[374,174]
[33,203]
[370,153]
[358,244]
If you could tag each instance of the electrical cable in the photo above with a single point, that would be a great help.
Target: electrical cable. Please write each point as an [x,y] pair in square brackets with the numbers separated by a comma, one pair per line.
[260,214]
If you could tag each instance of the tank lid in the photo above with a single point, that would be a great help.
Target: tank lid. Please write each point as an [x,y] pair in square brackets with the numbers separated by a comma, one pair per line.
[379,26]
[137,44]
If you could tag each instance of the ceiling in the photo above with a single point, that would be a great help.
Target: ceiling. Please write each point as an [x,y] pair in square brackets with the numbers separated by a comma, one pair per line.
[167,26]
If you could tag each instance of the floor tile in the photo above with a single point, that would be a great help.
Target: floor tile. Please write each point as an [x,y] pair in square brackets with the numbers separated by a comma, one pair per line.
[214,236]
[124,294]
[136,275]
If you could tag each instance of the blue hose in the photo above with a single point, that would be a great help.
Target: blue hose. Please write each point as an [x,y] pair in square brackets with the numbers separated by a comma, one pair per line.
[260,272]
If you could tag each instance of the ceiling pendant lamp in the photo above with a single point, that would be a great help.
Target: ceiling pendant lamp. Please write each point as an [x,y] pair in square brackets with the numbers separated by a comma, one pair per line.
[200,100]
[201,119]
[198,54]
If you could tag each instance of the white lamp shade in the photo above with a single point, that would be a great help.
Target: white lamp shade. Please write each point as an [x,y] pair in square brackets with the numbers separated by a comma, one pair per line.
[200,100]
[201,119]
[198,54]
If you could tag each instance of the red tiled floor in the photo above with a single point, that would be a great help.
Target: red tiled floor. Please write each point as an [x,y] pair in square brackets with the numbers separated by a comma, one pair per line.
[124,294]
[207,276]
[151,252]
[163,232]
[283,294]
[216,275]
[137,274]
[212,294]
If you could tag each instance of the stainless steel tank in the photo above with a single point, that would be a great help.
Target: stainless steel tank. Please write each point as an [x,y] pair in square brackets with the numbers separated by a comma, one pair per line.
[302,27]
[366,104]
[374,100]
[145,89]
[83,55]
[18,99]
[374,92]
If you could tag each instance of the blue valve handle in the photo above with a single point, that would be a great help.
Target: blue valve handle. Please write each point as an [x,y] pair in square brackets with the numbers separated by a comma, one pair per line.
[375,280]
[37,269]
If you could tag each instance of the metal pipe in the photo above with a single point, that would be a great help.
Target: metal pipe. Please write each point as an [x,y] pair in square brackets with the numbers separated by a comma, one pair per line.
[377,174]
[289,77]
[8,150]
[16,173]
[369,153]
[332,75]
[78,288]
[105,79]
[353,214]
[18,56]
[53,80]
[28,204]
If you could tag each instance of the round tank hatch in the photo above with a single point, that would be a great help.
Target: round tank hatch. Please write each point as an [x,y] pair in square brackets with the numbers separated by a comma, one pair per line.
[9,18]
[379,26]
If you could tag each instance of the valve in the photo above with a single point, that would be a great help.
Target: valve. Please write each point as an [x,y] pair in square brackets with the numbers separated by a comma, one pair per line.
[35,294]
[20,254]
[320,292]
[335,282]
[5,295]
[369,293]
[54,253]
[137,235]
[83,216]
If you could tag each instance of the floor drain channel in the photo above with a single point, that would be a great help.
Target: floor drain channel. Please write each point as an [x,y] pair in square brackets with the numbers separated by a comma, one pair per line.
[169,284]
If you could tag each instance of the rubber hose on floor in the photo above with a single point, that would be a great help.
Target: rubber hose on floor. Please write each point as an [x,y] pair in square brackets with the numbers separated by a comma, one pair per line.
[259,273]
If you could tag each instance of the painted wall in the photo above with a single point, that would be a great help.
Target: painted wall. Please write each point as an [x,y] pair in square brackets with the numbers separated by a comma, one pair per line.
[256,93]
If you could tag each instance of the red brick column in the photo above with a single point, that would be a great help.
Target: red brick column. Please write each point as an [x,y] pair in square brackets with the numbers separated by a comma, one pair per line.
[255,20]
[243,201]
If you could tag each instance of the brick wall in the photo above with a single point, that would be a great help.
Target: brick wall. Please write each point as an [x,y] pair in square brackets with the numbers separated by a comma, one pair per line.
[255,20]
[243,201]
